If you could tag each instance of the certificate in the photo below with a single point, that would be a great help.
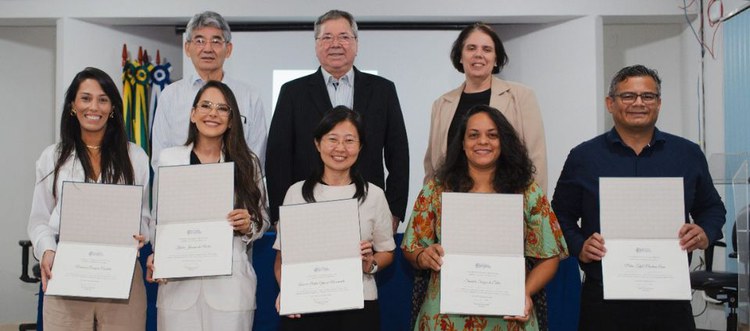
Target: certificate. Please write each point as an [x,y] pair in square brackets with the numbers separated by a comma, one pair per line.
[321,266]
[640,220]
[95,257]
[193,236]
[484,270]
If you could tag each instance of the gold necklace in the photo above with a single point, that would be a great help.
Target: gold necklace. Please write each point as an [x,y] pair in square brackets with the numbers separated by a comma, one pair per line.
[93,147]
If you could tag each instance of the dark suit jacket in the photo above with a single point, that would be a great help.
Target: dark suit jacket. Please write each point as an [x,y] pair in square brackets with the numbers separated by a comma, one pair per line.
[291,153]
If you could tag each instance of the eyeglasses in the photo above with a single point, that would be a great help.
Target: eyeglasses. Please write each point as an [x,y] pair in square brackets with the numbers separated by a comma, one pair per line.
[349,142]
[344,39]
[630,97]
[205,107]
[201,42]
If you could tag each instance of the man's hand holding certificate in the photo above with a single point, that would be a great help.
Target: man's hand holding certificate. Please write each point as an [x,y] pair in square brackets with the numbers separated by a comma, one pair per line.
[483,271]
[321,264]
[640,221]
[96,254]
[193,237]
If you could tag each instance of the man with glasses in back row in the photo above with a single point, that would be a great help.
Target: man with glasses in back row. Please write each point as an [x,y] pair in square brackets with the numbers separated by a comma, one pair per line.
[303,102]
[633,148]
[208,44]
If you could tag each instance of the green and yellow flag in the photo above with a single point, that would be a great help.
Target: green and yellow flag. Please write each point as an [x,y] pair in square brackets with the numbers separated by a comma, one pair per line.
[136,84]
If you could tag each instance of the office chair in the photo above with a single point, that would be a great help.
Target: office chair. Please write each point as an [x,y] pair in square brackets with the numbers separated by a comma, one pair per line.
[719,286]
[36,271]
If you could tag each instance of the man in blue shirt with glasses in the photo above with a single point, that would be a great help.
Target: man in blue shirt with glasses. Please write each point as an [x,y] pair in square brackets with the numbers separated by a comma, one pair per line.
[633,148]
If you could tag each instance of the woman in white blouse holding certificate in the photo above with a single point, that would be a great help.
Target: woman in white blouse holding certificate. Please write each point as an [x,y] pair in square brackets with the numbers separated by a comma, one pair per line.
[217,302]
[338,139]
[93,147]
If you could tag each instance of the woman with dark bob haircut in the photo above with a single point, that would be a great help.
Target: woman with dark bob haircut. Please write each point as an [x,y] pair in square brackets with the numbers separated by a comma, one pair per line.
[485,156]
[339,137]
[93,148]
[215,135]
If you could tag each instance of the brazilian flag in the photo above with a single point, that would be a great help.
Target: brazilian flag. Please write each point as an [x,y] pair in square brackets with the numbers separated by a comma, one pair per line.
[135,93]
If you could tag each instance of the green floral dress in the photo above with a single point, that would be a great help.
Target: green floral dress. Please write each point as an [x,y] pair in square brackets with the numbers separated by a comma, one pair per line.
[543,239]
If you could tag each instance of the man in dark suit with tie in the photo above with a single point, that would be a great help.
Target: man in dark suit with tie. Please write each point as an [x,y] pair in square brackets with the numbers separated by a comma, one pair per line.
[291,153]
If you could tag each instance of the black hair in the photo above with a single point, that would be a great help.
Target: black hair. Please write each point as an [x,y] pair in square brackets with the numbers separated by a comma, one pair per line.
[115,162]
[335,116]
[634,71]
[513,169]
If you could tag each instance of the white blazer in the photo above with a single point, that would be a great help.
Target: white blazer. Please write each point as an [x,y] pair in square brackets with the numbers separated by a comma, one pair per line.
[225,293]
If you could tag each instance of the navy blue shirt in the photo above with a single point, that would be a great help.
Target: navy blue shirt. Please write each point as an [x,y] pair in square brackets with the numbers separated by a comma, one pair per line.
[577,192]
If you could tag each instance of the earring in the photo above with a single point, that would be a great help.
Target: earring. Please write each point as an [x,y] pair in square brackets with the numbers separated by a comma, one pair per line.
[112,114]
[73,112]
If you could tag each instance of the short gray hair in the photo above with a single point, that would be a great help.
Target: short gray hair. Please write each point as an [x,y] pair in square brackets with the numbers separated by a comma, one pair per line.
[335,14]
[208,19]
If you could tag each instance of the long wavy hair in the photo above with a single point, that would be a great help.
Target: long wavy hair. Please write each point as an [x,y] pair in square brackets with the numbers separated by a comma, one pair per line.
[513,169]
[246,192]
[335,116]
[115,162]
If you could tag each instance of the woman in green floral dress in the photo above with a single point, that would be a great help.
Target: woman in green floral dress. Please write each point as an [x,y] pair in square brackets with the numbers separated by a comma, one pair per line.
[486,156]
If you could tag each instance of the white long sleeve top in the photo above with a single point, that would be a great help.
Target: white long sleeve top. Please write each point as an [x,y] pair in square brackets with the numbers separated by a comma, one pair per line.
[44,219]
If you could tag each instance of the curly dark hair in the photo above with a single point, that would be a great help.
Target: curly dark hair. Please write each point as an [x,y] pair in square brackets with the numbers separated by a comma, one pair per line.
[458,45]
[235,149]
[514,170]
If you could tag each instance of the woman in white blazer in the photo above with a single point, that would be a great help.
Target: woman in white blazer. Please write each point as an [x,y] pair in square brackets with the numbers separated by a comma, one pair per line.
[218,302]
[93,147]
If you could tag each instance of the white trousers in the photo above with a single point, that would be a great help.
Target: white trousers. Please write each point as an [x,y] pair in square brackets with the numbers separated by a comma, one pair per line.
[201,317]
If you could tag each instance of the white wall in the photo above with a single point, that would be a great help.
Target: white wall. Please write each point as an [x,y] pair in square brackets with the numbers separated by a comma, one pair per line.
[655,46]
[26,127]
[558,60]
[82,44]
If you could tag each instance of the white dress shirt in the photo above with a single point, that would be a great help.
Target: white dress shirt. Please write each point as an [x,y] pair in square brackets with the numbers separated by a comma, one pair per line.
[341,91]
[44,220]
[172,117]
